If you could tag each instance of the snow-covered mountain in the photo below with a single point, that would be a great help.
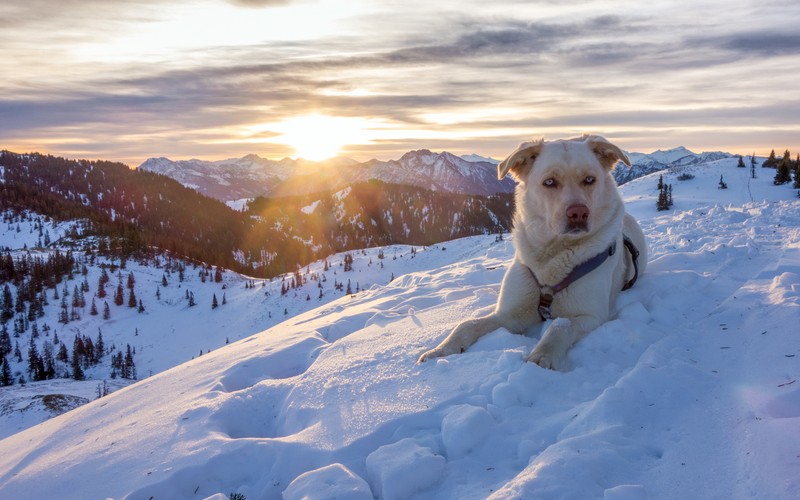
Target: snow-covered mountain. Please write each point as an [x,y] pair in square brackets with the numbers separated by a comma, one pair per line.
[252,176]
[690,391]
[643,164]
[438,172]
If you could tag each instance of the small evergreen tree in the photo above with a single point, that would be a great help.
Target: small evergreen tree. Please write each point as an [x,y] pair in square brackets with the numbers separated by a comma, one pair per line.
[770,162]
[5,342]
[214,303]
[132,299]
[741,162]
[106,311]
[99,345]
[5,374]
[119,296]
[796,184]
[783,169]
[77,370]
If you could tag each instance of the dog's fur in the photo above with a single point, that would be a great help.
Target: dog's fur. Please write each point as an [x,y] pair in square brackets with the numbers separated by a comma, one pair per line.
[568,209]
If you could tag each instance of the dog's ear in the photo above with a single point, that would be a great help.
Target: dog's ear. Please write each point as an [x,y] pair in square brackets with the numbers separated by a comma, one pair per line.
[520,161]
[607,153]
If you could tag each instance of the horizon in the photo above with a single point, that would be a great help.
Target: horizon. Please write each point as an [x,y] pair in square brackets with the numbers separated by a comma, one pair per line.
[325,160]
[221,79]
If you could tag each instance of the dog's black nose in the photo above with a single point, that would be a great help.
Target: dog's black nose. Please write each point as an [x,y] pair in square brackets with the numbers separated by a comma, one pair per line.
[577,213]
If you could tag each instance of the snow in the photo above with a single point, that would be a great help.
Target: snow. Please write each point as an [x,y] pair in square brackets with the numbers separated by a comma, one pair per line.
[310,209]
[689,391]
[239,205]
[475,158]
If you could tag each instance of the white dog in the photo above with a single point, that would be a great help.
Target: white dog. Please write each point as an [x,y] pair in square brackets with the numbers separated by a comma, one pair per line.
[576,248]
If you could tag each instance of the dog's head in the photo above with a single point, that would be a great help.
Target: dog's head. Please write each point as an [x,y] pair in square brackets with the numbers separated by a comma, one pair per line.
[566,182]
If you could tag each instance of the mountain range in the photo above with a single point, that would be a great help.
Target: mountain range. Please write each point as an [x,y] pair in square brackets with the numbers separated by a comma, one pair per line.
[252,175]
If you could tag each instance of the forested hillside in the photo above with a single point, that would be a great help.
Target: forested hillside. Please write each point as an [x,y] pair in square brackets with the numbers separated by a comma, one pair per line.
[138,211]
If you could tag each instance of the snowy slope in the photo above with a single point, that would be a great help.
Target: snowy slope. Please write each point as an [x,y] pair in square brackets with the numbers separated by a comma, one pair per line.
[170,332]
[688,392]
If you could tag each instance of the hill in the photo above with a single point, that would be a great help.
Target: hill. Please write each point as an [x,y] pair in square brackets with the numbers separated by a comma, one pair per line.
[688,392]
[134,211]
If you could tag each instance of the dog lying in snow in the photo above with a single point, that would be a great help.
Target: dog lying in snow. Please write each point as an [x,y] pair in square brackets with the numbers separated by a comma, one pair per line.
[576,248]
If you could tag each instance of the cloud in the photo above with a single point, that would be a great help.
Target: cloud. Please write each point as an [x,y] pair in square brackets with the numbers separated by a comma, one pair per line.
[758,43]
[261,3]
[579,70]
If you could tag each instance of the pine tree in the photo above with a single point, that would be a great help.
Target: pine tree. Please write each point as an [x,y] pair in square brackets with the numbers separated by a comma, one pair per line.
[129,365]
[5,374]
[119,297]
[99,346]
[770,162]
[63,315]
[5,342]
[77,371]
[663,199]
[106,311]
[783,169]
[75,297]
[224,299]
[93,311]
[214,303]
[741,162]
[35,365]
[796,184]
[132,299]
[7,311]
[141,307]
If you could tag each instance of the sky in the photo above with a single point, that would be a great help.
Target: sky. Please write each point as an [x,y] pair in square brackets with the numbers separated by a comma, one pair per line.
[127,80]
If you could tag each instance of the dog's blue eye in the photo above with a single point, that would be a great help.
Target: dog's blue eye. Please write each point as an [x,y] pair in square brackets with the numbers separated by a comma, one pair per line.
[550,183]
[589,180]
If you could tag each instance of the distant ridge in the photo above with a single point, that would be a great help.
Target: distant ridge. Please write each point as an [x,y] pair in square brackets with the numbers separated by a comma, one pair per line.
[252,175]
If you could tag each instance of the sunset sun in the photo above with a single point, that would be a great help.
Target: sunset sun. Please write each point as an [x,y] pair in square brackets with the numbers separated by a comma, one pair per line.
[319,137]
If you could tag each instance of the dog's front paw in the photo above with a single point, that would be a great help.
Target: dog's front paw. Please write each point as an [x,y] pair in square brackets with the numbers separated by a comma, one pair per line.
[546,358]
[440,351]
[433,353]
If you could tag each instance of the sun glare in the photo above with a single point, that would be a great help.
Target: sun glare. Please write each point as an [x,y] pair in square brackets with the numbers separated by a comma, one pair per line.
[319,137]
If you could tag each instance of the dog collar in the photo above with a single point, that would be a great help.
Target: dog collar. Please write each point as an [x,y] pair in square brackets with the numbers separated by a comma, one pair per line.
[548,291]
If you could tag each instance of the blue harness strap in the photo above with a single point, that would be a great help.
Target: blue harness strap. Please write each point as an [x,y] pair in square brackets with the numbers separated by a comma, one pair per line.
[547,293]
